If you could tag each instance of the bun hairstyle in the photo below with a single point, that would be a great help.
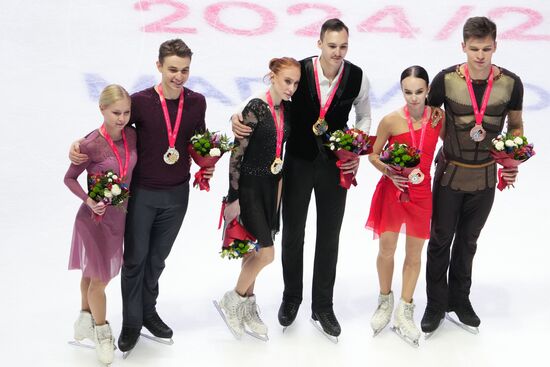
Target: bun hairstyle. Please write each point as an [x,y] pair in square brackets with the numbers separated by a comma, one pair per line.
[279,63]
[111,94]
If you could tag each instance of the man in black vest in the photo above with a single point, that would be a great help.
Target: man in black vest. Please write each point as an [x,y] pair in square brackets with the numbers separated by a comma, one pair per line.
[309,166]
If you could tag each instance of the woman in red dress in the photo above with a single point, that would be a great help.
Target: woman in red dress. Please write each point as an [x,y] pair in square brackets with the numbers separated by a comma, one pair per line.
[418,125]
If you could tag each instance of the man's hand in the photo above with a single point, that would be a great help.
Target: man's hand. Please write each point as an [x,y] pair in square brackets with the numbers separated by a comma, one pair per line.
[350,166]
[75,156]
[240,130]
[509,175]
[208,172]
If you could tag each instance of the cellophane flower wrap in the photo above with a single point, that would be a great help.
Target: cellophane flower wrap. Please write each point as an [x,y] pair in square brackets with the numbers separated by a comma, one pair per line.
[237,242]
[402,159]
[510,151]
[347,145]
[109,188]
[206,149]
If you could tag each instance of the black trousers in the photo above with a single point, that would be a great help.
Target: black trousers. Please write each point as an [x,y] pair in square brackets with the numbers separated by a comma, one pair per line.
[300,178]
[152,225]
[458,218]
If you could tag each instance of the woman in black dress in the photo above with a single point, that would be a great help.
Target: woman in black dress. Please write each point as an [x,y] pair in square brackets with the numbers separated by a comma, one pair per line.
[255,178]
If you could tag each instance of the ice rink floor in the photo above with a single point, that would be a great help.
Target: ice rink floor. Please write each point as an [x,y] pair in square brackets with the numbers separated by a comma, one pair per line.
[57,55]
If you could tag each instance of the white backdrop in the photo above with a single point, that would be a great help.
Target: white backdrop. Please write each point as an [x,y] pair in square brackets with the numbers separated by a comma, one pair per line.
[57,55]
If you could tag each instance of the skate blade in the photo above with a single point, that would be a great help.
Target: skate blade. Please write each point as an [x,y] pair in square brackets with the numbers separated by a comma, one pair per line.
[126,354]
[471,329]
[80,344]
[376,332]
[222,314]
[412,342]
[318,326]
[165,341]
[262,337]
[431,333]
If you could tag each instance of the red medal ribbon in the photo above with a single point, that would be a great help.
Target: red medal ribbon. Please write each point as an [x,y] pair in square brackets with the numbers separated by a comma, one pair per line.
[324,109]
[279,126]
[172,134]
[121,170]
[411,128]
[477,112]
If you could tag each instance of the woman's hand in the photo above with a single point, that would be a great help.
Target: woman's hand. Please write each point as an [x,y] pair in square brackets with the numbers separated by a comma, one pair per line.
[232,211]
[399,181]
[75,156]
[97,208]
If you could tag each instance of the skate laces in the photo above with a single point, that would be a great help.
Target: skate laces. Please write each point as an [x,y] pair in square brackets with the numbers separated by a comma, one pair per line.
[254,312]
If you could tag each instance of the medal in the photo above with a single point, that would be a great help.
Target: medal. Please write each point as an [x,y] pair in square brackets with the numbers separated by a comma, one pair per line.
[416,176]
[478,133]
[277,164]
[172,155]
[321,126]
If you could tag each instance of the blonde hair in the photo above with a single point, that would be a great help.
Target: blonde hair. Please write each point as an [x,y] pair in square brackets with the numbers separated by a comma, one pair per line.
[111,94]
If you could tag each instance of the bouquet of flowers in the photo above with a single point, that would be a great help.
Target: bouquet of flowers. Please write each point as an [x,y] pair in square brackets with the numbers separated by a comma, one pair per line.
[510,151]
[348,145]
[206,149]
[403,160]
[109,188]
[237,242]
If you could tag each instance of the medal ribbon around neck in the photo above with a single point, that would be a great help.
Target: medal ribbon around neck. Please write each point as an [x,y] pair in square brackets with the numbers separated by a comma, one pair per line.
[324,109]
[172,134]
[278,126]
[121,170]
[411,128]
[479,113]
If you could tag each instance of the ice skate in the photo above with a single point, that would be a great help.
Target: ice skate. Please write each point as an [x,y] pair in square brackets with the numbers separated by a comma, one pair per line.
[104,343]
[83,329]
[466,317]
[382,315]
[231,308]
[127,340]
[404,325]
[254,325]
[160,332]
[287,313]
[327,324]
[431,321]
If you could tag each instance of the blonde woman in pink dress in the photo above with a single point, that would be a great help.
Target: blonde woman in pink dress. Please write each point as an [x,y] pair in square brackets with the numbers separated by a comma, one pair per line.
[97,244]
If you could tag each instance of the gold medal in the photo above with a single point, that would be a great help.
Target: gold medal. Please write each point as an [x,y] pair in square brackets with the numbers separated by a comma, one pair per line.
[277,166]
[416,176]
[171,156]
[320,127]
[477,133]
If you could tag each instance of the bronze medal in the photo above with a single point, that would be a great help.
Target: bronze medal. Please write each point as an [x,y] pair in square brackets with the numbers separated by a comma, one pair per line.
[171,156]
[477,133]
[416,176]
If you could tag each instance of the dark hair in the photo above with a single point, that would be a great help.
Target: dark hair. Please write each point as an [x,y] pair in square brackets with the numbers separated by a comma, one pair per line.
[333,24]
[174,47]
[479,27]
[416,72]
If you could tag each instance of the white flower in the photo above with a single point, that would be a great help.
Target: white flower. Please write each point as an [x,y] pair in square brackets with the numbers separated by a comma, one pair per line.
[499,145]
[110,180]
[332,138]
[510,143]
[338,140]
[108,194]
[109,174]
[215,152]
[518,140]
[115,190]
[332,147]
[114,177]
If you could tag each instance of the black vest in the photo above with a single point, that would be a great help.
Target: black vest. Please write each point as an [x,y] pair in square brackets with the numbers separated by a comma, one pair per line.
[302,142]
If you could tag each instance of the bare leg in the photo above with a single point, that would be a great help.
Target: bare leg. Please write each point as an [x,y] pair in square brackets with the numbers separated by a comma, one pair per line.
[384,261]
[84,285]
[411,266]
[251,267]
[97,300]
